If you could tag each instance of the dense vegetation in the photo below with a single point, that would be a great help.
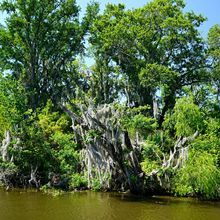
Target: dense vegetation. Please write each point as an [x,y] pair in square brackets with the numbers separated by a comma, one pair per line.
[144,117]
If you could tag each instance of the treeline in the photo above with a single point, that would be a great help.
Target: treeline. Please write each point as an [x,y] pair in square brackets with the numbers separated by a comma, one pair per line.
[144,117]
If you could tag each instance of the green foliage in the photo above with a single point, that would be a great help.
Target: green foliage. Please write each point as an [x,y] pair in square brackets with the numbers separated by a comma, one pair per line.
[209,142]
[7,165]
[7,171]
[46,37]
[66,153]
[56,131]
[148,166]
[214,41]
[91,135]
[151,59]
[151,154]
[51,121]
[214,53]
[77,181]
[45,145]
[186,118]
[96,185]
[105,84]
[35,149]
[157,46]
[12,103]
[155,76]
[213,127]
[136,120]
[151,150]
[200,176]
[52,192]
[142,124]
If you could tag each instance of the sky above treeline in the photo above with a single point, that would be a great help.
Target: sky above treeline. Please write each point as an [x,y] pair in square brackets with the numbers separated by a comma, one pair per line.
[208,8]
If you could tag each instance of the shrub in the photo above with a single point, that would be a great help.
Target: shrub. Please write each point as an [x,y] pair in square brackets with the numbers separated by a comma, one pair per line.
[200,176]
[77,181]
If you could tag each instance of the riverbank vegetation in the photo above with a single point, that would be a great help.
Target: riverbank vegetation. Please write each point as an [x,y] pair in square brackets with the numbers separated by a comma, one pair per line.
[144,117]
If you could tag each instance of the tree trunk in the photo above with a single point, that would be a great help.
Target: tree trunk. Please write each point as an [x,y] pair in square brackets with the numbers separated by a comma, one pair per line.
[5,145]
[176,160]
[109,154]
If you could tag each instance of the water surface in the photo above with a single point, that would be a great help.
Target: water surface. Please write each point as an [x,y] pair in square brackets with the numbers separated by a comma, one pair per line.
[20,205]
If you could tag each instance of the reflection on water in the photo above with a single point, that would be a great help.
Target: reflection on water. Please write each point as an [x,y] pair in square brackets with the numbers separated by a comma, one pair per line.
[21,205]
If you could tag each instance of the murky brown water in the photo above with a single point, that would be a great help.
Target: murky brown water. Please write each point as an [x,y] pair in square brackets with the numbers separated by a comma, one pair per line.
[20,205]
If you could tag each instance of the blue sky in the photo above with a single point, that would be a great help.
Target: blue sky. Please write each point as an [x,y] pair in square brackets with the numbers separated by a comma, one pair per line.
[208,8]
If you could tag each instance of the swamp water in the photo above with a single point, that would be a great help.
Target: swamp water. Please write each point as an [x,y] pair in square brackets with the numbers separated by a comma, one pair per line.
[20,205]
